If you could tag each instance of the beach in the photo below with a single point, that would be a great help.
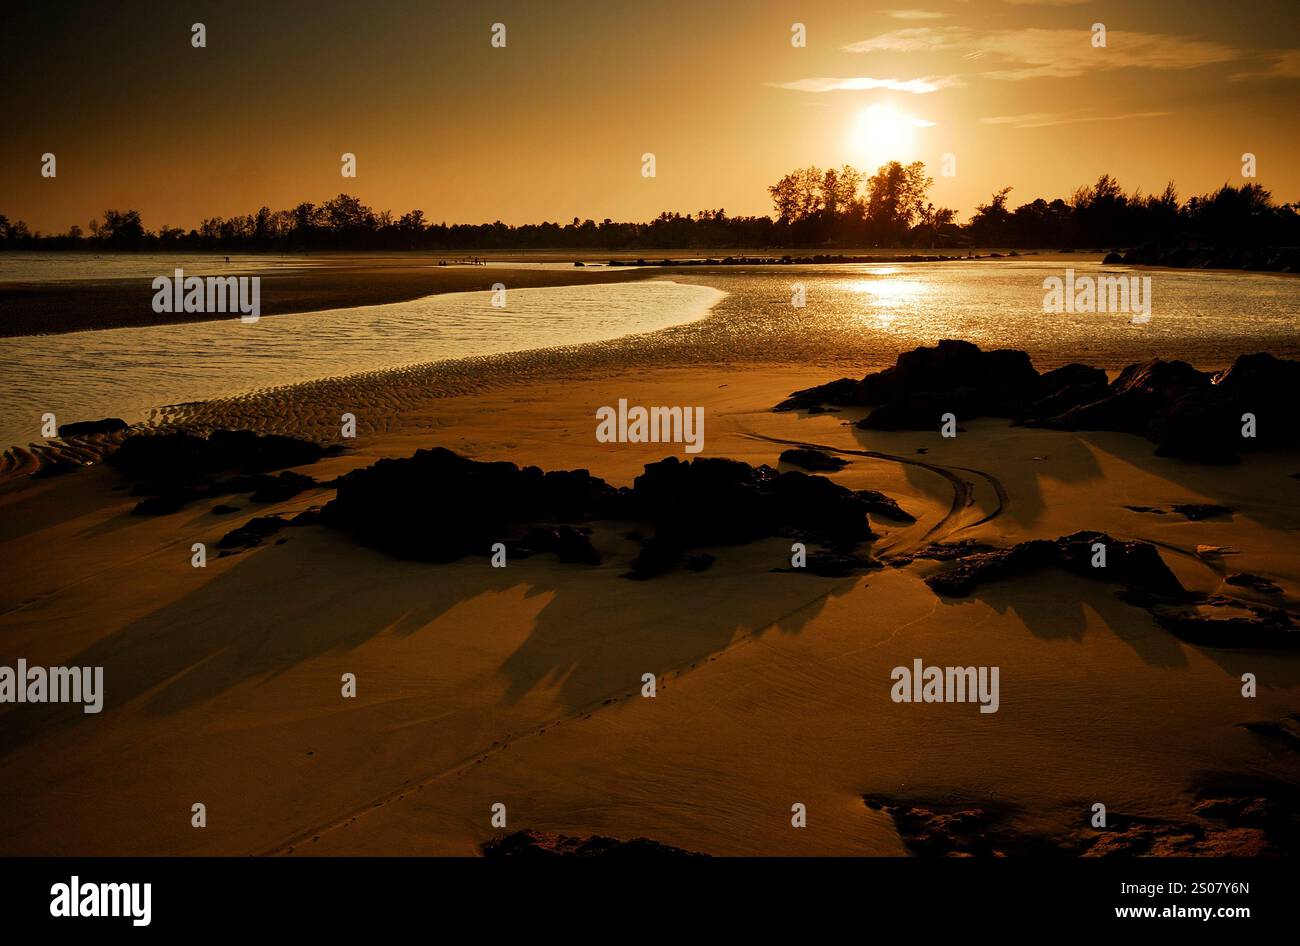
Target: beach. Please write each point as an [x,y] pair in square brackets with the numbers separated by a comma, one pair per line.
[524,685]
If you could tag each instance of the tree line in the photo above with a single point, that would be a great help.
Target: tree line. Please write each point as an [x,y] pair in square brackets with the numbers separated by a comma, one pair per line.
[812,208]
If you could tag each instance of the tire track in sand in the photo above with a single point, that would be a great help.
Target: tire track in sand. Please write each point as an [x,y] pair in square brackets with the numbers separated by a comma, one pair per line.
[963,490]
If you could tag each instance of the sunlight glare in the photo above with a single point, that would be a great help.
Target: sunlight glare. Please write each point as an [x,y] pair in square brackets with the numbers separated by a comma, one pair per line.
[882,134]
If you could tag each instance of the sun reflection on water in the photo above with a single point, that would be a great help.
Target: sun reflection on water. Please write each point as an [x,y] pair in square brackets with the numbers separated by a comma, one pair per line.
[886,296]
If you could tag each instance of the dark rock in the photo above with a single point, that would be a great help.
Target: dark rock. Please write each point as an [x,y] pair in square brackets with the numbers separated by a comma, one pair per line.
[1112,258]
[1065,388]
[1188,413]
[878,504]
[271,489]
[56,466]
[714,501]
[263,488]
[1193,415]
[833,563]
[1153,837]
[1135,400]
[1193,511]
[815,460]
[1254,582]
[953,376]
[569,544]
[1262,823]
[1136,565]
[169,502]
[81,428]
[183,457]
[928,829]
[252,532]
[655,558]
[535,844]
[438,506]
[1216,621]
[222,509]
[944,552]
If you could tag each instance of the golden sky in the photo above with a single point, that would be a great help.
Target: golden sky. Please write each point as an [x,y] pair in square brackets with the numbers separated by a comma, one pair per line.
[554,125]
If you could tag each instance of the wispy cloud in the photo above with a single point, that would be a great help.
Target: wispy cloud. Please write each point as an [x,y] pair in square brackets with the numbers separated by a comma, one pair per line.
[865,83]
[1044,119]
[1046,3]
[912,39]
[1039,53]
[916,14]
[1284,65]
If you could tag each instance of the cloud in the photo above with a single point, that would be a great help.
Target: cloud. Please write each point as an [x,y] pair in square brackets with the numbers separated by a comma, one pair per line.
[1285,65]
[1044,119]
[1045,3]
[912,39]
[916,14]
[866,83]
[1040,53]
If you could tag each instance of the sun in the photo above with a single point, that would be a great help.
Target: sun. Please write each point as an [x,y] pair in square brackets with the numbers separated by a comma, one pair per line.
[881,134]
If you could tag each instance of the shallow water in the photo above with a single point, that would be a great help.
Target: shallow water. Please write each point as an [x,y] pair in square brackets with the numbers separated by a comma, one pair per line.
[866,314]
[127,372]
[85,267]
[856,317]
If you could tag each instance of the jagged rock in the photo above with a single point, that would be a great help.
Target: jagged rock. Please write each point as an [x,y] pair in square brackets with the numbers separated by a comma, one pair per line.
[1254,582]
[1190,414]
[1154,510]
[878,504]
[438,506]
[948,551]
[252,532]
[263,487]
[569,544]
[1193,511]
[166,503]
[1216,621]
[1133,564]
[714,501]
[931,830]
[1065,388]
[833,563]
[1249,825]
[168,459]
[539,845]
[1133,402]
[1150,837]
[953,377]
[1193,415]
[52,466]
[815,460]
[81,428]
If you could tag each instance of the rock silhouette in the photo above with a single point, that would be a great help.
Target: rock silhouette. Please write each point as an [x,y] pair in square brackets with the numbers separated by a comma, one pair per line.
[535,844]
[1191,414]
[439,506]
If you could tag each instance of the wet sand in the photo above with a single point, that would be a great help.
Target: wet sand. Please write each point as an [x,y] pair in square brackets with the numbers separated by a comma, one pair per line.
[522,685]
[42,308]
